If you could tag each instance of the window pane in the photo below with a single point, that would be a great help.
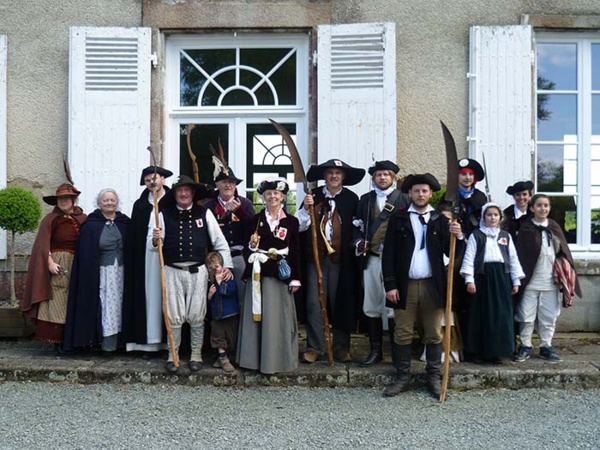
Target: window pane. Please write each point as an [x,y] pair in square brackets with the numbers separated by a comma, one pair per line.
[595,116]
[564,211]
[596,67]
[261,77]
[201,138]
[559,117]
[554,170]
[595,219]
[193,64]
[557,66]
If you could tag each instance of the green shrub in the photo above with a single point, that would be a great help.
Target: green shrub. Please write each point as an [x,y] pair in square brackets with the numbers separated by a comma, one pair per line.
[20,210]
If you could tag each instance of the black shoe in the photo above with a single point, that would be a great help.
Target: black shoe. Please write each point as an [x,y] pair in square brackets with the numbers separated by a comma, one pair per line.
[401,385]
[374,357]
[195,366]
[434,386]
[170,367]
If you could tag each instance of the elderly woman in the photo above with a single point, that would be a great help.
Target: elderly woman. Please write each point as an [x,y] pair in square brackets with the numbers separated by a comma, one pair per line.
[268,338]
[96,290]
[46,289]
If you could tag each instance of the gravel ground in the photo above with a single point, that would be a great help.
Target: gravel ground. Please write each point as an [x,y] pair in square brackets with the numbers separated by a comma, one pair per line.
[65,416]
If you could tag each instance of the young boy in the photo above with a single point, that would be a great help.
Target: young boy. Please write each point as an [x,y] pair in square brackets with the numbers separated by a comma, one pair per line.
[225,311]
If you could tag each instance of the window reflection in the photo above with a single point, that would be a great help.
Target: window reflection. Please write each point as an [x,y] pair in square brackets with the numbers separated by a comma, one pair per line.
[564,211]
[557,66]
[560,119]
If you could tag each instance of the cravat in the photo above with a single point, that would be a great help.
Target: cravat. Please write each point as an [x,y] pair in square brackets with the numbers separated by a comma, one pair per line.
[548,233]
[424,225]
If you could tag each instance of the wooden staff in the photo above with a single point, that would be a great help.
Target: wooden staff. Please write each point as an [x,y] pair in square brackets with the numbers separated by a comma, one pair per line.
[450,196]
[163,276]
[300,176]
[190,127]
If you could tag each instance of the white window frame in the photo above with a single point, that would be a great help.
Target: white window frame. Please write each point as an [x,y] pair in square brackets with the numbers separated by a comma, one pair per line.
[3,154]
[237,117]
[584,133]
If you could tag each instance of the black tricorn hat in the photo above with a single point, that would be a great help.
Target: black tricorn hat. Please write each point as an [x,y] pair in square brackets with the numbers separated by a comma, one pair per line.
[151,169]
[202,191]
[383,165]
[227,174]
[352,176]
[468,163]
[276,184]
[421,178]
[520,186]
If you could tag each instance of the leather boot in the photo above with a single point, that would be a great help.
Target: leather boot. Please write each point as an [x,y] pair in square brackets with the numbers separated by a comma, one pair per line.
[402,357]
[392,331]
[196,341]
[434,370]
[375,330]
[170,366]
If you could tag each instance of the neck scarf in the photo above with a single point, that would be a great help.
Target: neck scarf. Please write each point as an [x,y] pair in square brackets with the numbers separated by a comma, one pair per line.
[541,227]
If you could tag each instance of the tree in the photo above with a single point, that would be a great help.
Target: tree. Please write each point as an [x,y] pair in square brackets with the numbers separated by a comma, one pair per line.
[20,211]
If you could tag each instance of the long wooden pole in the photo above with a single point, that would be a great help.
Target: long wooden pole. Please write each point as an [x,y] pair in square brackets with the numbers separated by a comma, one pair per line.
[448,315]
[163,282]
[322,303]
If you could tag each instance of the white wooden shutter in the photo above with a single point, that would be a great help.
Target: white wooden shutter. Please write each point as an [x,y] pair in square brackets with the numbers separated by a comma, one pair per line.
[501,124]
[357,94]
[3,155]
[109,111]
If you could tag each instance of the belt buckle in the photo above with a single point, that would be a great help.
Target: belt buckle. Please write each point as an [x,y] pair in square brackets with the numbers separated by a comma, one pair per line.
[388,207]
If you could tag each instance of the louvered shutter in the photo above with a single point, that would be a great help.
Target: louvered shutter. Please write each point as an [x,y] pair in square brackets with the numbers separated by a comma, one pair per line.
[357,94]
[109,111]
[501,124]
[3,59]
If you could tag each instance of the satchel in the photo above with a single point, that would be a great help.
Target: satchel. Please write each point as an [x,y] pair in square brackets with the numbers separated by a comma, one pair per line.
[283,269]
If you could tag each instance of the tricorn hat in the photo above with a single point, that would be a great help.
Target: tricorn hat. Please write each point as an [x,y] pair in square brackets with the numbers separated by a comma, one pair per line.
[151,169]
[65,189]
[520,186]
[422,178]
[227,174]
[352,176]
[383,165]
[471,164]
[273,183]
[202,191]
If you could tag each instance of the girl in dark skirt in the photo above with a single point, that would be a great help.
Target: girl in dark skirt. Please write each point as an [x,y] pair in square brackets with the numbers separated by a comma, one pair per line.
[492,273]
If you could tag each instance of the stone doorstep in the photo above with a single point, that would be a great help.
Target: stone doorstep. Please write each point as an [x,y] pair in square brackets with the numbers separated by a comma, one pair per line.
[464,376]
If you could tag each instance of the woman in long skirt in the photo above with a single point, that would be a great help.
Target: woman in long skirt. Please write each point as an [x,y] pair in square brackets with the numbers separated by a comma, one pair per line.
[268,338]
[492,274]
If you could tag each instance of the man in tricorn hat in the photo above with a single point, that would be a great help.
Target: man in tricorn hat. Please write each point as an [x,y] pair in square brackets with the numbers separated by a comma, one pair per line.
[414,276]
[233,213]
[142,302]
[371,222]
[521,191]
[189,231]
[335,207]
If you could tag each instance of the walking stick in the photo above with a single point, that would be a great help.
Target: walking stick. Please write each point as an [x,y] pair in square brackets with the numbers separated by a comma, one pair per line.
[451,196]
[163,277]
[300,176]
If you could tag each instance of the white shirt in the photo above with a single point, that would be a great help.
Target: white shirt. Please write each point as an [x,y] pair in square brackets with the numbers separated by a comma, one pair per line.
[419,264]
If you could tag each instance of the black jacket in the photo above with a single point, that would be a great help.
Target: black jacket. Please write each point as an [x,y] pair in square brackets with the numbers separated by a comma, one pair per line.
[398,250]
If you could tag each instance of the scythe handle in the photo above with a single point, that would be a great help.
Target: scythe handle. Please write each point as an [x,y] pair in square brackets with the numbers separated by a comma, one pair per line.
[322,303]
[448,317]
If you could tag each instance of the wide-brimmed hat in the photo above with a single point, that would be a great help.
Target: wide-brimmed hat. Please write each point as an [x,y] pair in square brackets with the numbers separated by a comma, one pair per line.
[468,163]
[520,186]
[421,178]
[64,190]
[202,191]
[273,183]
[352,176]
[383,165]
[151,169]
[227,174]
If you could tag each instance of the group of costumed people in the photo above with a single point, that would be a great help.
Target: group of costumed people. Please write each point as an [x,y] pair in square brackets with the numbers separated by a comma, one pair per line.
[231,273]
